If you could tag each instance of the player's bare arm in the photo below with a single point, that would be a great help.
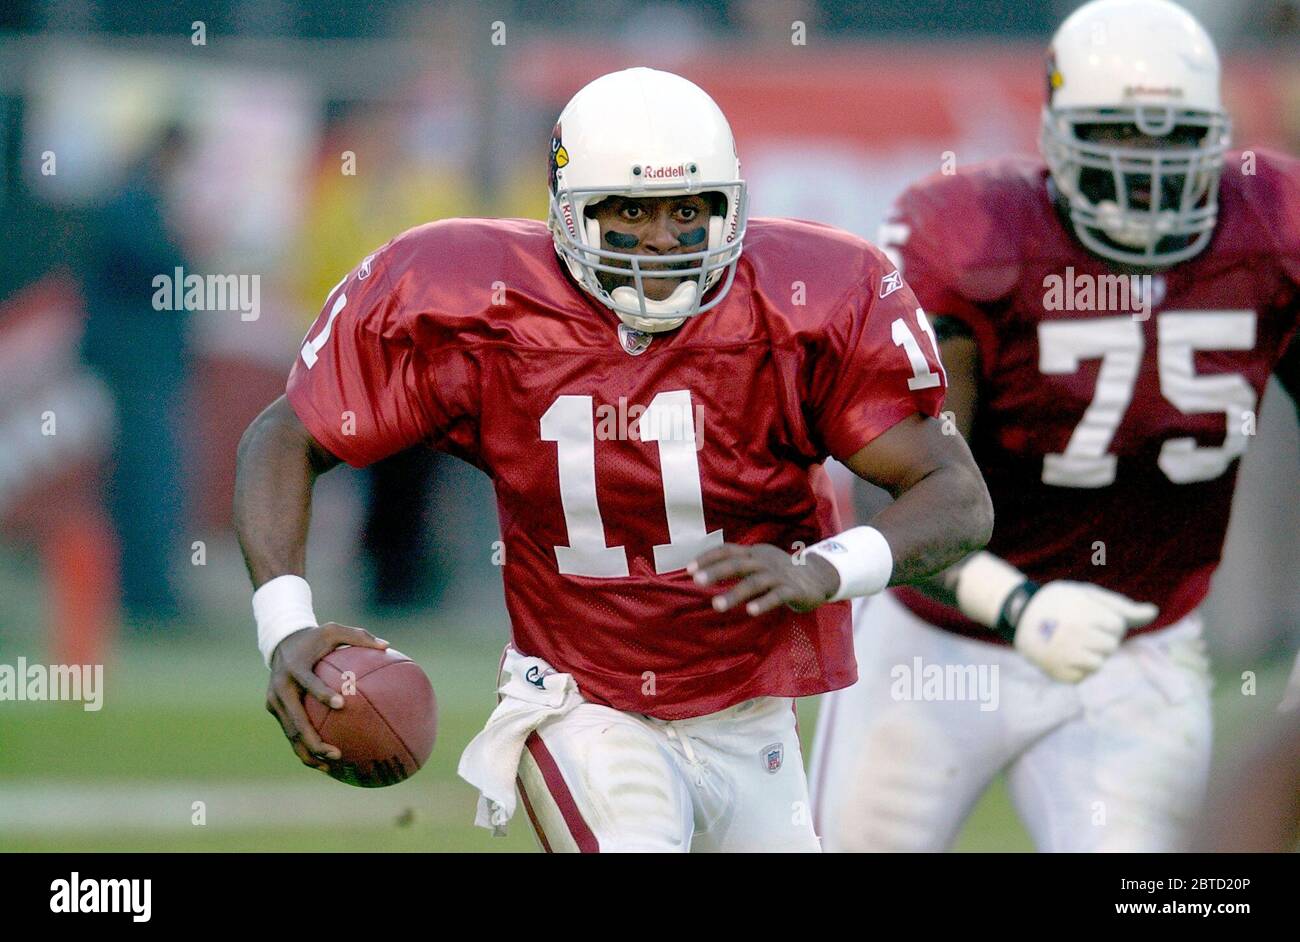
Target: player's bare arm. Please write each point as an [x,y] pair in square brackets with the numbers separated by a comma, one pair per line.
[941,510]
[960,356]
[278,463]
[1091,621]
[941,513]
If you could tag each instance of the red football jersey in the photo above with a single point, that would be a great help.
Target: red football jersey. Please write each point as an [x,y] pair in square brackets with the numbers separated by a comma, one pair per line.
[614,469]
[1109,442]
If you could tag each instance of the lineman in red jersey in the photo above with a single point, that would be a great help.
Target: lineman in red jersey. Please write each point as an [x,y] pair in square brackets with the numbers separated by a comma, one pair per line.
[1108,432]
[653,408]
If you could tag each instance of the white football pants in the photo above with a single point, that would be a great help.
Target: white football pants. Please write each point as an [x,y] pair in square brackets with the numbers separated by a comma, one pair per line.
[1117,762]
[597,779]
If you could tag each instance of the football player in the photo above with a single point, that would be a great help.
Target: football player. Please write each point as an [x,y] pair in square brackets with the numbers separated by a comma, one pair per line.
[1109,434]
[653,382]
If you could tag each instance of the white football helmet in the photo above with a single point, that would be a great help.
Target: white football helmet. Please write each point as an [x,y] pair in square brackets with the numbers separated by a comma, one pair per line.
[639,133]
[1149,64]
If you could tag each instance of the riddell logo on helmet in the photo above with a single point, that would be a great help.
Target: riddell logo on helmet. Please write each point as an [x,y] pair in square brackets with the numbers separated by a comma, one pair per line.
[1166,91]
[663,173]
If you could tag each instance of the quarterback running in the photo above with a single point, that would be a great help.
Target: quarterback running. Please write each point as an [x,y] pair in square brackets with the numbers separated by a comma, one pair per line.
[652,381]
[1109,318]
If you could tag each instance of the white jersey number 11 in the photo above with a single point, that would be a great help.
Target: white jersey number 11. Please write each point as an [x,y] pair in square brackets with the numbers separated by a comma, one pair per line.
[570,423]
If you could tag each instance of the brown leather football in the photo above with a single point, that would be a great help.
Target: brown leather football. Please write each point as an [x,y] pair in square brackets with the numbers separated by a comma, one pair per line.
[389,718]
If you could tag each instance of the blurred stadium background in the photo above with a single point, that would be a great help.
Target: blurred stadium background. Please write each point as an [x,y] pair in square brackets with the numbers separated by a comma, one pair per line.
[287,139]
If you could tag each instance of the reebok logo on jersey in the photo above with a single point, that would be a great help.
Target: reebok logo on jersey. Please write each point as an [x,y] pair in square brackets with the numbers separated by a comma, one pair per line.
[364,271]
[891,283]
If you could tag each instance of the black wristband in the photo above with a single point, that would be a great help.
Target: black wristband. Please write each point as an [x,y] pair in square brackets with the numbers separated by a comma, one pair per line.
[1013,608]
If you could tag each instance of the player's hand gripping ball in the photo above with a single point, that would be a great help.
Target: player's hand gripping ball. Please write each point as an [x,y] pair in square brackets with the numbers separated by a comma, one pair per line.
[353,708]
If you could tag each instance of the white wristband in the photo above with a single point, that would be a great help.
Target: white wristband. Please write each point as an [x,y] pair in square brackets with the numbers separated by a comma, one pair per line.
[983,584]
[863,559]
[281,607]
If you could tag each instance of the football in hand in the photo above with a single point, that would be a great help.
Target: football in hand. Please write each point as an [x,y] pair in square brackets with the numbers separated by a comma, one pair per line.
[389,717]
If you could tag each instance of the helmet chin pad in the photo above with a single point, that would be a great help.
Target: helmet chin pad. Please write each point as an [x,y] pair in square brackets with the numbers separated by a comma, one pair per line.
[1123,229]
[681,300]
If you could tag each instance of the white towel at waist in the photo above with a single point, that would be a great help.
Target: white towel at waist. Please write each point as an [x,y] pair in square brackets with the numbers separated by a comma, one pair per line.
[533,693]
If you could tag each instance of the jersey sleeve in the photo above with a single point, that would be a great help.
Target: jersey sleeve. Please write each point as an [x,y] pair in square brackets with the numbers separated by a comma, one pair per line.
[921,238]
[880,365]
[360,383]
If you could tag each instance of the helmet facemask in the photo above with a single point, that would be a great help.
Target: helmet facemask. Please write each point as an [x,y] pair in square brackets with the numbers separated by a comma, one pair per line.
[577,238]
[1103,182]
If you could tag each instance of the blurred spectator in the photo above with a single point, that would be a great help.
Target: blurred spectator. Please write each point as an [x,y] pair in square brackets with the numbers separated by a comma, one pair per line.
[408,172]
[141,355]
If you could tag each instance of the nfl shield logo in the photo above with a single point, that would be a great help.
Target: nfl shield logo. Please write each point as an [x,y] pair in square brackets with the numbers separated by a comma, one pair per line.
[634,342]
[773,756]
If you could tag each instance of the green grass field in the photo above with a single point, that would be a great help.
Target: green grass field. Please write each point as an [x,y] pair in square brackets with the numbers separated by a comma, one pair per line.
[183,722]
